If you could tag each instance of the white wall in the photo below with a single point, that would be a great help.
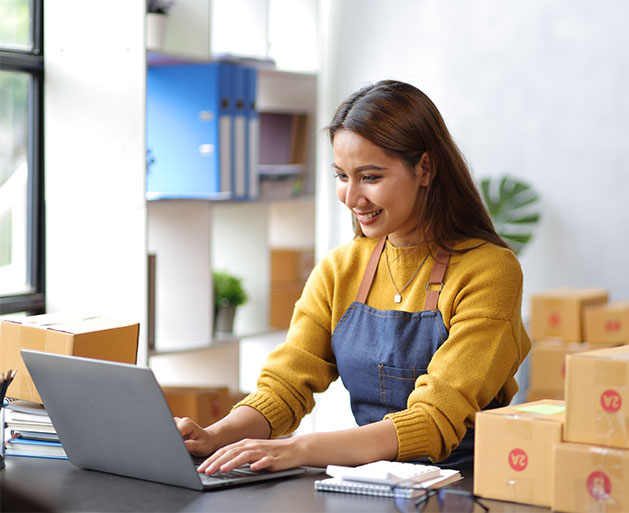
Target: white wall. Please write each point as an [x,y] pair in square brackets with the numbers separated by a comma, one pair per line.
[240,232]
[95,159]
[536,89]
[179,235]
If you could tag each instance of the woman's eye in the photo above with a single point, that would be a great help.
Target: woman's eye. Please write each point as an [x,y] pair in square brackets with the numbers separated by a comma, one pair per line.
[340,176]
[370,178]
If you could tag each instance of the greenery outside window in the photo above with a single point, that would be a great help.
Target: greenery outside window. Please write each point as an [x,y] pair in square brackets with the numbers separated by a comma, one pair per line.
[21,162]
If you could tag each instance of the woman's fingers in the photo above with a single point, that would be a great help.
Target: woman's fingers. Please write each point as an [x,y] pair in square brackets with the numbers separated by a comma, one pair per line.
[187,427]
[266,463]
[260,454]
[195,438]
[220,459]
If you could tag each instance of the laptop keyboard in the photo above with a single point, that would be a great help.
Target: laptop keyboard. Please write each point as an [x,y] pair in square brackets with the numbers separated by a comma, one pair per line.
[237,473]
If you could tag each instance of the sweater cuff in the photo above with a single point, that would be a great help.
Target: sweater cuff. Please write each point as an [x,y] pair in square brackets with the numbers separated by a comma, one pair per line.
[412,429]
[275,415]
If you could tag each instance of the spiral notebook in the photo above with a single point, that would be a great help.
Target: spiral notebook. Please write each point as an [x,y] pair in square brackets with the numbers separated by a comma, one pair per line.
[337,484]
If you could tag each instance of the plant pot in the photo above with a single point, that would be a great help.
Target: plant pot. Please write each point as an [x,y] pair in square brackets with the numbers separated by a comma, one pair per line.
[155,30]
[224,319]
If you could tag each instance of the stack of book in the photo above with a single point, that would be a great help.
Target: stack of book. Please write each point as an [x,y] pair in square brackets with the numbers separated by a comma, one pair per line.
[5,381]
[28,431]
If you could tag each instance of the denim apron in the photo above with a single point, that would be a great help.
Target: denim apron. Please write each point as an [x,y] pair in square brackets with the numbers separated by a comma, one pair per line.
[380,353]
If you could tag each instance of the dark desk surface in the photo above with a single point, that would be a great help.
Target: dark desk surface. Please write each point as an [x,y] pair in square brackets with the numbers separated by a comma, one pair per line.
[34,484]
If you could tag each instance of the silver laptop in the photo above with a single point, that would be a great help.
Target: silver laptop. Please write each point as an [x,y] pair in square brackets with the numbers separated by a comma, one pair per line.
[114,418]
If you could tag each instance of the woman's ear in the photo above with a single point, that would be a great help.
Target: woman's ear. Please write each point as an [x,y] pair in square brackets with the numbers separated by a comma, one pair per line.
[425,169]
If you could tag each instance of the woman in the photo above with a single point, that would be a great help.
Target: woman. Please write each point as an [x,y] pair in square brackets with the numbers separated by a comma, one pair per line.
[419,314]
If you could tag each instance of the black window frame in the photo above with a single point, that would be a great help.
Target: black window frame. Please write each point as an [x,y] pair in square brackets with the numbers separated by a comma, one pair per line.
[32,63]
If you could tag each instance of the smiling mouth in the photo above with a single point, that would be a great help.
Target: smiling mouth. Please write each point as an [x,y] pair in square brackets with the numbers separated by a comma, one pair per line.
[367,216]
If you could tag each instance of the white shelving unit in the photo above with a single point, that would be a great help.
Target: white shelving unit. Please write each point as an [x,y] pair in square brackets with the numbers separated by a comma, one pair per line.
[284,31]
[191,237]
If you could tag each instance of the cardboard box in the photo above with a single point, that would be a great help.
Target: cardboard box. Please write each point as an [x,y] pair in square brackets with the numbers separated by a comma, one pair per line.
[291,265]
[513,451]
[63,333]
[290,269]
[203,405]
[558,313]
[590,478]
[597,397]
[538,395]
[283,299]
[607,323]
[548,367]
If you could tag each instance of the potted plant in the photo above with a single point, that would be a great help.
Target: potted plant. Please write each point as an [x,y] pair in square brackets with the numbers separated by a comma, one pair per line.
[156,11]
[228,295]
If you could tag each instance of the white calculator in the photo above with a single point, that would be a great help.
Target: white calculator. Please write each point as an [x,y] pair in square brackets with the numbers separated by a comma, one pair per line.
[385,472]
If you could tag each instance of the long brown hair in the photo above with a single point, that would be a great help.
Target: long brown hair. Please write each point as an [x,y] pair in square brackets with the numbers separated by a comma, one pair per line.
[405,123]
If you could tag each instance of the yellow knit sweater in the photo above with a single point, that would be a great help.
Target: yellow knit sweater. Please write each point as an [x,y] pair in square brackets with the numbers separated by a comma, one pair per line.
[481,308]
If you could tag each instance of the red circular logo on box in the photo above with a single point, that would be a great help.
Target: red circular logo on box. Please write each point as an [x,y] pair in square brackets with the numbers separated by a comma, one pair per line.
[611,401]
[554,318]
[613,325]
[518,460]
[599,485]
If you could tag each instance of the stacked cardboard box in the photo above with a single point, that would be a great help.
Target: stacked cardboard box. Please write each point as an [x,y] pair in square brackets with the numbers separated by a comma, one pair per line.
[514,449]
[558,328]
[559,313]
[607,323]
[527,453]
[574,461]
[204,405]
[592,464]
[548,367]
[290,269]
[589,478]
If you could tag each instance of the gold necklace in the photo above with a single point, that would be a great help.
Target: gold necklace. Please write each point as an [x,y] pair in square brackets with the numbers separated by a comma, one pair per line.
[398,297]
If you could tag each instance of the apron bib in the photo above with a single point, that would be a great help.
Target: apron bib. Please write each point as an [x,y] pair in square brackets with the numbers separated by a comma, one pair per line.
[380,353]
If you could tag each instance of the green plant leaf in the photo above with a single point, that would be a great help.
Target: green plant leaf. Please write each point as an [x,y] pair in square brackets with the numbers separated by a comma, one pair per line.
[228,290]
[512,205]
[520,239]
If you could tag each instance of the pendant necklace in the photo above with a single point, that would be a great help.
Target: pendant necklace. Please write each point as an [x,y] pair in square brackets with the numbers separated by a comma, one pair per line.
[398,297]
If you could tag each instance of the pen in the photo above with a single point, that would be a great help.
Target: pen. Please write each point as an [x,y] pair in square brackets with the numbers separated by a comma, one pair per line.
[5,381]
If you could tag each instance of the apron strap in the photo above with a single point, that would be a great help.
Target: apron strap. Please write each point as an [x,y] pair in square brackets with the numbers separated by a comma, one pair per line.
[370,272]
[442,257]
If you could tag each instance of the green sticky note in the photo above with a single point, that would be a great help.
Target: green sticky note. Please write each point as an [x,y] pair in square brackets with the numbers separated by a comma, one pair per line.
[542,409]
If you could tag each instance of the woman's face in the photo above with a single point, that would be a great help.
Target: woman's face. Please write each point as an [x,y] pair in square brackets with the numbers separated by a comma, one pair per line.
[379,189]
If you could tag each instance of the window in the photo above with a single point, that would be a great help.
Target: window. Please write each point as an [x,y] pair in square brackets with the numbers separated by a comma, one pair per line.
[21,162]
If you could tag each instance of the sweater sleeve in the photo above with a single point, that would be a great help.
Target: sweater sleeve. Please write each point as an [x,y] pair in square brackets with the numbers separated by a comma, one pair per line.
[476,364]
[301,366]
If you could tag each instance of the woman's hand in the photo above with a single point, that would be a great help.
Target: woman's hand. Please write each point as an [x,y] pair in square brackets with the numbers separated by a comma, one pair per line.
[197,440]
[242,422]
[242,437]
[260,454]
[354,446]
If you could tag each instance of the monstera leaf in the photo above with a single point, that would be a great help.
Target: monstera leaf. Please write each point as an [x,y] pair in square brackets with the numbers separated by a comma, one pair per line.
[512,207]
